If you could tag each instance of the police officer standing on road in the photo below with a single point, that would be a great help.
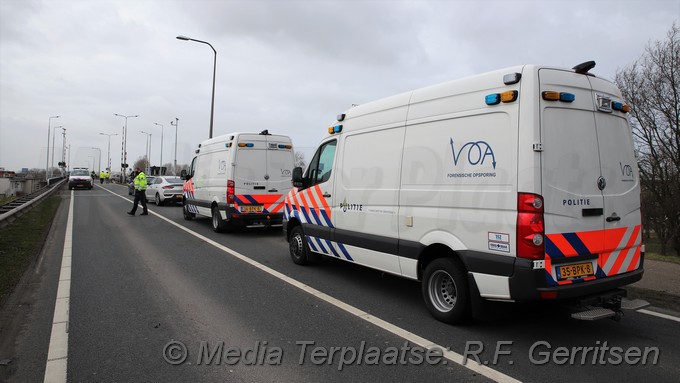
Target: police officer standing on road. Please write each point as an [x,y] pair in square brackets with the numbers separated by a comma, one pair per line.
[140,192]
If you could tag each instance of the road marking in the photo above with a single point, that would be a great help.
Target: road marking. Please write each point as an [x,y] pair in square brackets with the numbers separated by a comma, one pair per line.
[396,330]
[660,315]
[57,354]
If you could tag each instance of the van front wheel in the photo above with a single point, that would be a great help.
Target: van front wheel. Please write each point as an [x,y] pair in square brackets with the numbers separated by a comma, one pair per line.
[188,216]
[218,224]
[297,245]
[446,291]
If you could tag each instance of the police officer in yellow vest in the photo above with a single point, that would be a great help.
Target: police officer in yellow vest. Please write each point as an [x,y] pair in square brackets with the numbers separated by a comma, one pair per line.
[102,175]
[140,192]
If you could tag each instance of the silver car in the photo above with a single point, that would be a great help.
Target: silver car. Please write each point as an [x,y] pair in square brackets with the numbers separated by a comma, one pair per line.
[164,188]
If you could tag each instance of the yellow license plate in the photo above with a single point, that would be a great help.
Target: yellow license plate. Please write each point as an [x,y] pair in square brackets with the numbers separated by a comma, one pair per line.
[575,271]
[251,209]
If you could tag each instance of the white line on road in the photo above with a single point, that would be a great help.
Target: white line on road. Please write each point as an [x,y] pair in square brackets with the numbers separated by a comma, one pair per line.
[55,369]
[396,330]
[660,315]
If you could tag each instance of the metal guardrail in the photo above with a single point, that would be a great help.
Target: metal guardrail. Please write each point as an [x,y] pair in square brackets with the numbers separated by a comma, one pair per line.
[9,212]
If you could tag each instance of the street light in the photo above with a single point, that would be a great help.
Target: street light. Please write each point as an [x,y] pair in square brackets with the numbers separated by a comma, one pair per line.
[100,159]
[148,151]
[54,134]
[176,122]
[161,125]
[63,147]
[108,156]
[212,104]
[47,157]
[124,154]
[92,162]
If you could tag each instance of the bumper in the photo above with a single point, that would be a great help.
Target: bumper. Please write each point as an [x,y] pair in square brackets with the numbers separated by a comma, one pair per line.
[527,284]
[235,217]
[174,197]
[80,184]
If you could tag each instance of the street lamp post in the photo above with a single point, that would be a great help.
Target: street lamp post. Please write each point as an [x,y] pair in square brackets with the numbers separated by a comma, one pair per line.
[92,162]
[161,125]
[148,151]
[212,103]
[176,122]
[47,157]
[54,134]
[63,146]
[100,159]
[124,154]
[108,155]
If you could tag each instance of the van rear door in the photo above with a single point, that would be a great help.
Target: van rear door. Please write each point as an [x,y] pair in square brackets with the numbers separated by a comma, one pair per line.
[592,217]
[262,173]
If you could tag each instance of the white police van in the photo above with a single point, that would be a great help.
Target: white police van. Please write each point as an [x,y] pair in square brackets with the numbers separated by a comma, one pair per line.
[515,185]
[239,179]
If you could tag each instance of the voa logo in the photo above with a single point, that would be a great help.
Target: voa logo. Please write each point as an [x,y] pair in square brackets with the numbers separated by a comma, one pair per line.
[474,153]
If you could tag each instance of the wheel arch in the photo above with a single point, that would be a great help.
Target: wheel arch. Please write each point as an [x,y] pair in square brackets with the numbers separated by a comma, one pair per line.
[439,244]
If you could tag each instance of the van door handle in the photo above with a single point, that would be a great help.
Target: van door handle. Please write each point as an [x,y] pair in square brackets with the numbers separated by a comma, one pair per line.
[613,218]
[326,195]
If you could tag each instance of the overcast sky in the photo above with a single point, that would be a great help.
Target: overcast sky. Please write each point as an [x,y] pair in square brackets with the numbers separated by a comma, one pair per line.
[286,66]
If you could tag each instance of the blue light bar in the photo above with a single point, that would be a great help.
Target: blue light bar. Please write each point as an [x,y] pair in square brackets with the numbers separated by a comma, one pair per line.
[493,99]
[617,105]
[567,97]
[249,145]
[337,129]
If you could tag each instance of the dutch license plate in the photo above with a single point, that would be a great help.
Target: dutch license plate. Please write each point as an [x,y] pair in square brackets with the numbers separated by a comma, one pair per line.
[575,271]
[251,209]
[178,196]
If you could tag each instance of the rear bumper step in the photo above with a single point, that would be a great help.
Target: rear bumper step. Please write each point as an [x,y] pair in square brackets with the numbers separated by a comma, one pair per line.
[596,313]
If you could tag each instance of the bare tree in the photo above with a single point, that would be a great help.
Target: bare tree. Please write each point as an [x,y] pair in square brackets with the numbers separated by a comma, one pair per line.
[651,85]
[300,159]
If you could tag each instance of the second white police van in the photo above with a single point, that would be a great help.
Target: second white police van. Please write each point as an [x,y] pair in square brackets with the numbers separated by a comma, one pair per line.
[239,179]
[515,185]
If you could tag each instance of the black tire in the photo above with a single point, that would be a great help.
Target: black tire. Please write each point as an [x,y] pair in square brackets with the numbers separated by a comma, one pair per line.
[298,247]
[218,224]
[446,291]
[158,200]
[188,216]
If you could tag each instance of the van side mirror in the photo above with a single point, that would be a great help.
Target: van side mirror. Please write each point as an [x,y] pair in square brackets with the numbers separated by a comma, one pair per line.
[298,180]
[184,176]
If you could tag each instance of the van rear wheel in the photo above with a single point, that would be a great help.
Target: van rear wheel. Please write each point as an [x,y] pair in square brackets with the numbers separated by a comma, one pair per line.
[445,290]
[218,224]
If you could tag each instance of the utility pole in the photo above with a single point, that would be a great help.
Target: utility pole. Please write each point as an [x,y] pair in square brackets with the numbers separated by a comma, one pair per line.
[175,124]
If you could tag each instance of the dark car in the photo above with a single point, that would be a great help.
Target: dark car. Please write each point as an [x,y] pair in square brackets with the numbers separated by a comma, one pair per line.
[79,179]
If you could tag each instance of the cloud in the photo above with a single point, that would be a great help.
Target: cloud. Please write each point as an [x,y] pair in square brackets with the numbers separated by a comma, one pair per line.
[286,66]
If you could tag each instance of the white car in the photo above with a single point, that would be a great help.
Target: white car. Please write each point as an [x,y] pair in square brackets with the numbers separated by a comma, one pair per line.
[164,188]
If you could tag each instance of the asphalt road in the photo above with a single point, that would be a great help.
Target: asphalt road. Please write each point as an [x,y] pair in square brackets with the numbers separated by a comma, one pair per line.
[145,289]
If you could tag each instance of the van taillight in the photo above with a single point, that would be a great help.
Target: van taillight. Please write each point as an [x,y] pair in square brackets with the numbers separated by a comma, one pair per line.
[530,227]
[230,191]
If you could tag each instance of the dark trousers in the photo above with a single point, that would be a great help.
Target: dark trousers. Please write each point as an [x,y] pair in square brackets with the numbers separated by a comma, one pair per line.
[140,196]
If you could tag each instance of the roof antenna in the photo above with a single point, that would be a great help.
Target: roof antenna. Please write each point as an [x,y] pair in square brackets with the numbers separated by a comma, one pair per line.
[265,132]
[583,68]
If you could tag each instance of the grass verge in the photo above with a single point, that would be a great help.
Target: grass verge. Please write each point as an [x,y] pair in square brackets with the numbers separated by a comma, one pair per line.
[663,258]
[21,243]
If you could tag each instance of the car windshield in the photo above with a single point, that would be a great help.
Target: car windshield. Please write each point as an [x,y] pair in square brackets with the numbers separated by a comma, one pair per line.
[173,180]
[80,172]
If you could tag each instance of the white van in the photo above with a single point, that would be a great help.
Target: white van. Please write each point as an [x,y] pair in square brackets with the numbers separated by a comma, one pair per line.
[515,185]
[239,179]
